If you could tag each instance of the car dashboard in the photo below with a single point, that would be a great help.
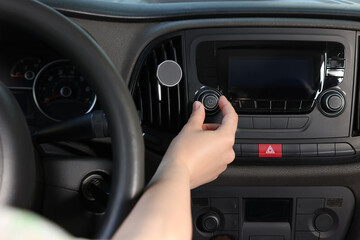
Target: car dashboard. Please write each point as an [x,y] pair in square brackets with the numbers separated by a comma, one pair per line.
[289,68]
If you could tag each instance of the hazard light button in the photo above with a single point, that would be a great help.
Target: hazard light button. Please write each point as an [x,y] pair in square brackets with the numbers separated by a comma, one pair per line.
[270,150]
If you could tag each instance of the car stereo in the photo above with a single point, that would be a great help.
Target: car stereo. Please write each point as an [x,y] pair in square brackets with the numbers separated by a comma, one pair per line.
[292,88]
[275,77]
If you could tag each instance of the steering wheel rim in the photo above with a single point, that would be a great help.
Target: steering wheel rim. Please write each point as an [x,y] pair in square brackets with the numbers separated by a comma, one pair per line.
[86,54]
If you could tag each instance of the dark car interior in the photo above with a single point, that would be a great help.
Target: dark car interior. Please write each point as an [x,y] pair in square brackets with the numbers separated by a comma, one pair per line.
[97,79]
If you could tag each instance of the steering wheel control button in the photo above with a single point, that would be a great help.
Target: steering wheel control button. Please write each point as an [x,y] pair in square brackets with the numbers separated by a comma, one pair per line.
[210,99]
[210,222]
[324,222]
[326,150]
[308,150]
[249,150]
[344,149]
[307,235]
[270,150]
[309,205]
[169,73]
[332,103]
[291,150]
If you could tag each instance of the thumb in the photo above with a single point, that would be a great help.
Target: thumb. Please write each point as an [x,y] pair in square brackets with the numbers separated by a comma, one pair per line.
[197,117]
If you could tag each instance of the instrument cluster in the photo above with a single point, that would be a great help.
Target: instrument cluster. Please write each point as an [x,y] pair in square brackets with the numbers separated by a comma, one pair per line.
[48,87]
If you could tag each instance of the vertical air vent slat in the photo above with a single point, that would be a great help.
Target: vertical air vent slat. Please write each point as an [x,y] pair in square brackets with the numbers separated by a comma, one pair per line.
[149,110]
[162,108]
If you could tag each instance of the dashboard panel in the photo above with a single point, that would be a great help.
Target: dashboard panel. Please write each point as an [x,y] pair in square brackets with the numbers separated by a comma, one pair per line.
[321,157]
[48,87]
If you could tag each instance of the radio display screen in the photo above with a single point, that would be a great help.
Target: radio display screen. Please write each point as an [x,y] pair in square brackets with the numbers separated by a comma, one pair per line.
[274,75]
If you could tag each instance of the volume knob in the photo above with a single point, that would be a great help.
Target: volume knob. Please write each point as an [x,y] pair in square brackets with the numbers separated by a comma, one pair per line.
[210,222]
[332,103]
[210,99]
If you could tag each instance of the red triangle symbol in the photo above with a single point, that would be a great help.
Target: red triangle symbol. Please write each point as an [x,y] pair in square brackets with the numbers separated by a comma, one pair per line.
[270,150]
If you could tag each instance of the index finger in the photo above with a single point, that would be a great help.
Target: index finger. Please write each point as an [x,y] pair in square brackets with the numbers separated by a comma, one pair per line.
[230,117]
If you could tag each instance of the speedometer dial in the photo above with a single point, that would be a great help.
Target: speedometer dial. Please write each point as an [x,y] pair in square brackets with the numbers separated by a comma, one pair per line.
[61,92]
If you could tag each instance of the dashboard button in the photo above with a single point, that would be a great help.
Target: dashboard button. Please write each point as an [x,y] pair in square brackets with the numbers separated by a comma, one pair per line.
[305,223]
[308,150]
[324,222]
[309,205]
[249,150]
[307,236]
[297,123]
[231,222]
[245,123]
[291,150]
[210,102]
[226,205]
[344,149]
[270,150]
[326,149]
[237,149]
[279,123]
[261,123]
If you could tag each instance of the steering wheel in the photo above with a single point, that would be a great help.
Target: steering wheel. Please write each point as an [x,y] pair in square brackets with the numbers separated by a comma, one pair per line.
[17,162]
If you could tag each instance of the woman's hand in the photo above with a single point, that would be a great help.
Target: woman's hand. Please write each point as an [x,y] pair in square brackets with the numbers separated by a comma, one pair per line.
[203,150]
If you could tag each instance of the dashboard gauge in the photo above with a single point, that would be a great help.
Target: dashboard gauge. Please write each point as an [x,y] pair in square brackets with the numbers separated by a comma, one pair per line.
[26,68]
[61,92]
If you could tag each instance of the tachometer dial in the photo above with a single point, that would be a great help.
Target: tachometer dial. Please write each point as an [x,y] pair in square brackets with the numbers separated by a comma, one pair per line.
[61,92]
[26,68]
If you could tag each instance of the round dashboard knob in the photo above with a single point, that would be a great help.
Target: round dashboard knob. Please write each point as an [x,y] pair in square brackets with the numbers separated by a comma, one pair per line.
[324,222]
[332,102]
[210,99]
[210,222]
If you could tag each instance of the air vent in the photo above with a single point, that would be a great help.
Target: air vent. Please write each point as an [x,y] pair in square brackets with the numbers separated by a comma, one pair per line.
[161,108]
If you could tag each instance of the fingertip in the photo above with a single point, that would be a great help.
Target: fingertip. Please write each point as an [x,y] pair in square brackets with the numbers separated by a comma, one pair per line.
[196,105]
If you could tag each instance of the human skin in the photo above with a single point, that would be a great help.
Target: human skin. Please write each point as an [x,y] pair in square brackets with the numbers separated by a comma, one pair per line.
[198,155]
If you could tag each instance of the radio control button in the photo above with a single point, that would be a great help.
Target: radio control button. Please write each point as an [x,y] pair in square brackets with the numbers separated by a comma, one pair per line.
[324,222]
[226,205]
[210,102]
[309,205]
[344,149]
[326,150]
[297,123]
[245,123]
[308,150]
[279,123]
[261,123]
[291,150]
[249,150]
[335,102]
[305,223]
[210,99]
[332,103]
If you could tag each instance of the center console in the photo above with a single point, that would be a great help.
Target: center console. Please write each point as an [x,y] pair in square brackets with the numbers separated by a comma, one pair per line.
[292,89]
[272,213]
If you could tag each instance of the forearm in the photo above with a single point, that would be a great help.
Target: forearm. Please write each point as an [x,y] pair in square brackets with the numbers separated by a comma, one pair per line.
[163,212]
